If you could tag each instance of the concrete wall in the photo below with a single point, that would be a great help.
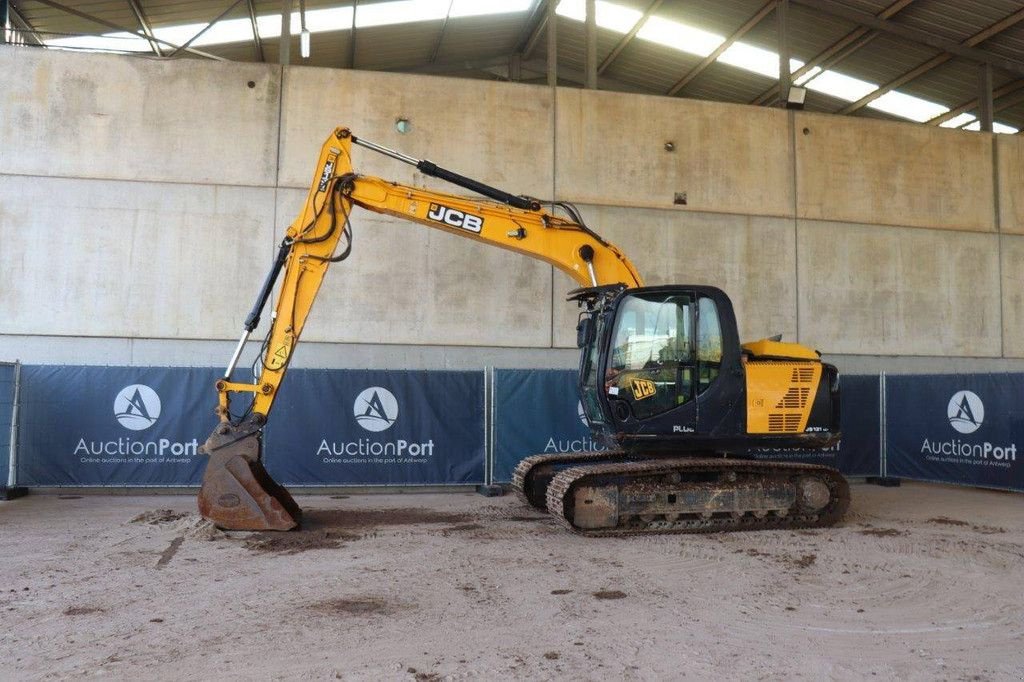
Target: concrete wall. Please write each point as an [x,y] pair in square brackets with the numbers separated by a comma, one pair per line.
[141,202]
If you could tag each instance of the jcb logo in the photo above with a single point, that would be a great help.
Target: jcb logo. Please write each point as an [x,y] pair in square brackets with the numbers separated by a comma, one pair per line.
[642,388]
[325,176]
[455,218]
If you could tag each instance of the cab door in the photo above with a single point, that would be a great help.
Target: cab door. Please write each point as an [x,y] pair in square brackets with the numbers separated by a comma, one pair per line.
[719,385]
[652,369]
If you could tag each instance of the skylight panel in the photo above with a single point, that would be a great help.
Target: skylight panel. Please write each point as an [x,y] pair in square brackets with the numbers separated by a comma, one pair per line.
[224,31]
[680,36]
[813,73]
[608,14]
[957,121]
[476,8]
[317,21]
[908,106]
[110,42]
[401,12]
[996,127]
[750,58]
[841,86]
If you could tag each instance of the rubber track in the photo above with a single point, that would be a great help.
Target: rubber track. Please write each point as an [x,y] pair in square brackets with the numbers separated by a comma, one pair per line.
[561,487]
[524,467]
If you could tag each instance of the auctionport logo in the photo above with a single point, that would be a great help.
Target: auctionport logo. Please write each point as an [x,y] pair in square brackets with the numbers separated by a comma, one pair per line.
[376,409]
[966,412]
[137,407]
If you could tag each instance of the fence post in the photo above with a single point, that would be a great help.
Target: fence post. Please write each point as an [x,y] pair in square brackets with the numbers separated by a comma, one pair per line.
[11,490]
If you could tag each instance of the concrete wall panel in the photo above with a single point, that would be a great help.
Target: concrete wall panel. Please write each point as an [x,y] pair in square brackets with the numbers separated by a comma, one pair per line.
[405,283]
[727,158]
[1011,190]
[98,116]
[865,171]
[902,291]
[130,259]
[1012,254]
[750,258]
[499,133]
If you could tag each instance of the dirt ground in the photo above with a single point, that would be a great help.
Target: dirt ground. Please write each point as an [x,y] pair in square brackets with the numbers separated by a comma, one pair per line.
[920,582]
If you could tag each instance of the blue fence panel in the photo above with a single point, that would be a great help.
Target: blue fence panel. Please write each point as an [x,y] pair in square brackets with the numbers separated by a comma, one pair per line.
[113,426]
[536,412]
[956,429]
[375,427]
[6,415]
[858,452]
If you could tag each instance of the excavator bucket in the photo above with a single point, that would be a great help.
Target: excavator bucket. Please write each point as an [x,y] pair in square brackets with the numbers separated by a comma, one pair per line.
[237,492]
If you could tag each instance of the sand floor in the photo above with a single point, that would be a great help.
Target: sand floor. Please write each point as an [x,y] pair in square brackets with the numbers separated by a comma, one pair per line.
[919,582]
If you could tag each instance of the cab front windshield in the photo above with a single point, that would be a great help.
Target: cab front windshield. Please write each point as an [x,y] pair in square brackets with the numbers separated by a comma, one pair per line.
[651,364]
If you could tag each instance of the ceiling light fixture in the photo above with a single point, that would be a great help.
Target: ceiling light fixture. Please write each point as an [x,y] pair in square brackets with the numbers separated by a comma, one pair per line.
[304,37]
[795,98]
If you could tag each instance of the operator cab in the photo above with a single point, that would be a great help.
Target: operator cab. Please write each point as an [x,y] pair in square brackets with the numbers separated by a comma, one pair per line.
[662,366]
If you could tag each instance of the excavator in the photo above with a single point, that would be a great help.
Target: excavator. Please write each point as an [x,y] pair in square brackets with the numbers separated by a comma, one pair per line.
[666,386]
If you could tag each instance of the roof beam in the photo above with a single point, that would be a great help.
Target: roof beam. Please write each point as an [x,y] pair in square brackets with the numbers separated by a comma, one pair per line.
[205,28]
[1009,101]
[710,59]
[836,52]
[985,97]
[972,104]
[540,22]
[440,36]
[836,9]
[552,52]
[443,68]
[539,66]
[352,36]
[933,63]
[498,65]
[144,24]
[628,38]
[257,42]
[116,27]
[27,31]
[535,17]
[590,45]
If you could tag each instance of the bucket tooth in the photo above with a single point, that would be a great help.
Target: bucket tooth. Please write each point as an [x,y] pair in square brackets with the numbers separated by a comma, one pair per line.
[237,492]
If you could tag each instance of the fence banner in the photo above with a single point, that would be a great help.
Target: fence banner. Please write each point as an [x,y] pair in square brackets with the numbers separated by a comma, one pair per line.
[113,426]
[961,429]
[858,452]
[7,374]
[536,412]
[376,427]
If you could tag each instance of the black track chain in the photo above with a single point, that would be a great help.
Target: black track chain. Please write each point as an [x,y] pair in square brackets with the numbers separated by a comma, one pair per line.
[525,466]
[565,481]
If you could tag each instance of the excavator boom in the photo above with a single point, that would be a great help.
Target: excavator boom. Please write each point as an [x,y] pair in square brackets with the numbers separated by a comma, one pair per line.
[237,492]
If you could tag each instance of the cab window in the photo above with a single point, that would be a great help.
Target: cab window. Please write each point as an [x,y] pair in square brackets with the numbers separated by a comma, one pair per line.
[709,343]
[652,353]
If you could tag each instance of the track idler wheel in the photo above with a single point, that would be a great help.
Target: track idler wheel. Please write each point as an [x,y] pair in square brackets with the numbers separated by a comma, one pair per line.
[237,492]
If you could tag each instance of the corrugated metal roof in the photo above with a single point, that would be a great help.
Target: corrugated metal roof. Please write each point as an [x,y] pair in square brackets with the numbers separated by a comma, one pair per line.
[466,44]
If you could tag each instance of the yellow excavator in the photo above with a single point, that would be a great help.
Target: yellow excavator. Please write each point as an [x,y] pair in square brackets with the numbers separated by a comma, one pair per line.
[664,381]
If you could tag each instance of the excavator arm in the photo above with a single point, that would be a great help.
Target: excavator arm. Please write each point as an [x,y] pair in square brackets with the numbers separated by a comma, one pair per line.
[237,493]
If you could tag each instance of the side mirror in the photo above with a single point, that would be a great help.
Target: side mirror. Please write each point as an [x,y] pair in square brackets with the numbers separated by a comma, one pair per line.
[585,331]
